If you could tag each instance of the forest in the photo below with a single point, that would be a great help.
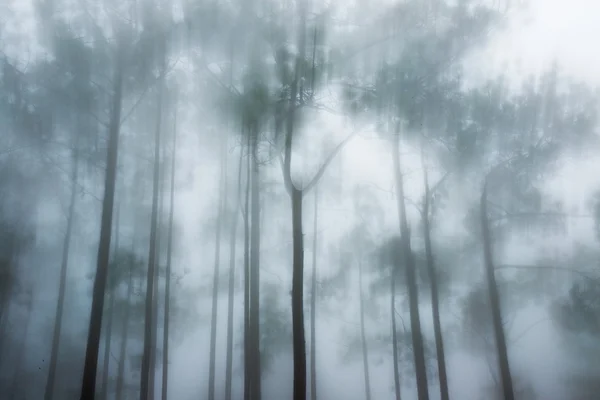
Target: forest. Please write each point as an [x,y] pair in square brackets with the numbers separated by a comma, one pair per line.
[296,199]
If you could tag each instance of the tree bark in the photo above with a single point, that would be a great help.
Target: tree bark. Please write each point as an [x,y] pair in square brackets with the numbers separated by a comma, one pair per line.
[507,385]
[152,377]
[435,302]
[298,298]
[148,323]
[231,288]
[125,334]
[313,303]
[215,289]
[88,387]
[255,367]
[411,281]
[247,364]
[21,352]
[51,379]
[363,338]
[110,312]
[394,332]
[165,371]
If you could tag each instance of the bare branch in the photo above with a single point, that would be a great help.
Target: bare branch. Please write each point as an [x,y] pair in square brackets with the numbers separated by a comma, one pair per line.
[328,161]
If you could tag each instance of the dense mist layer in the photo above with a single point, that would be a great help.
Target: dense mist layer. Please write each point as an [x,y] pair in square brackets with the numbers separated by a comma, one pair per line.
[262,199]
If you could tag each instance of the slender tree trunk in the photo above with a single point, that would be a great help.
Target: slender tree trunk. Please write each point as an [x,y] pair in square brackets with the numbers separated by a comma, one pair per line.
[411,281]
[110,313]
[255,382]
[363,338]
[148,323]
[88,387]
[107,342]
[21,352]
[165,371]
[394,331]
[299,340]
[124,335]
[247,363]
[313,301]
[58,316]
[152,377]
[507,385]
[215,289]
[435,302]
[230,294]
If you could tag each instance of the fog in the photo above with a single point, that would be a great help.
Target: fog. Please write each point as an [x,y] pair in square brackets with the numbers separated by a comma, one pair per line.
[262,199]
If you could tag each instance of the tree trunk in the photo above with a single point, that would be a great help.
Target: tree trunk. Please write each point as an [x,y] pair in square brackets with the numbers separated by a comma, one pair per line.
[148,323]
[107,342]
[152,377]
[110,312]
[435,302]
[124,336]
[507,385]
[58,316]
[165,371]
[21,352]
[230,294]
[247,364]
[299,340]
[255,381]
[88,387]
[411,281]
[394,332]
[363,338]
[313,303]
[215,289]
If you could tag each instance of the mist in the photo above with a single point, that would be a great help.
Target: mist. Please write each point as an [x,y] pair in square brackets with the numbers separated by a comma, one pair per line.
[262,199]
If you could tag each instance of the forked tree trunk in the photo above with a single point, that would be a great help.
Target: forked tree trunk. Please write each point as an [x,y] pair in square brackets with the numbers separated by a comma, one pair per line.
[363,338]
[507,385]
[231,284]
[313,304]
[215,289]
[88,387]
[58,316]
[411,281]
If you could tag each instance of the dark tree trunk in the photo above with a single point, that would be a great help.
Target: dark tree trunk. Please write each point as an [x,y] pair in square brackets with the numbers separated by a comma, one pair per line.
[313,303]
[255,381]
[58,316]
[394,332]
[21,351]
[435,302]
[299,340]
[215,289]
[148,322]
[411,281]
[165,371]
[110,314]
[124,336]
[363,338]
[107,342]
[88,387]
[247,363]
[507,385]
[152,377]
[231,284]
